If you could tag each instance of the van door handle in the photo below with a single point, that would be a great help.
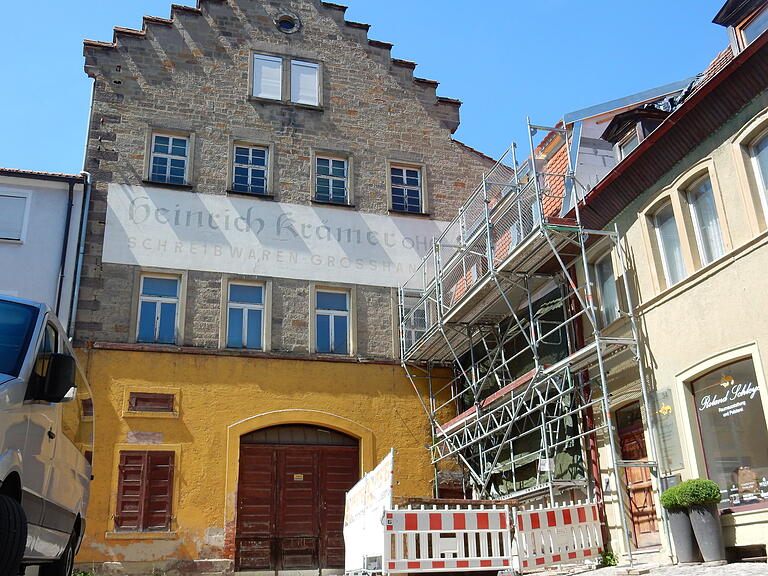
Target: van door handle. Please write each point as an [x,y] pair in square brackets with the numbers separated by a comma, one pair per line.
[51,434]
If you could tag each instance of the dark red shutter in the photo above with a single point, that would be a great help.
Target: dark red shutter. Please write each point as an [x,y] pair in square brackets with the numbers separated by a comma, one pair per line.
[159,492]
[130,490]
[144,491]
[87,404]
[150,402]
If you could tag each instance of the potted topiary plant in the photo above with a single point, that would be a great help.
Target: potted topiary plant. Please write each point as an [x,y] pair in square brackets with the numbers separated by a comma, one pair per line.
[680,526]
[700,497]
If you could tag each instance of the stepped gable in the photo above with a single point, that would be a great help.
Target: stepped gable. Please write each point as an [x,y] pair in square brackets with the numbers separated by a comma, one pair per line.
[444,109]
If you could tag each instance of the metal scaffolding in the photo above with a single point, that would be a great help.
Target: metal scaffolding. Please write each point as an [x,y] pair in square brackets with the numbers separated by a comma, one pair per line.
[499,325]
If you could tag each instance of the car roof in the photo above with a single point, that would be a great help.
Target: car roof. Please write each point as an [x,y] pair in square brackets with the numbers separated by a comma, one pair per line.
[39,305]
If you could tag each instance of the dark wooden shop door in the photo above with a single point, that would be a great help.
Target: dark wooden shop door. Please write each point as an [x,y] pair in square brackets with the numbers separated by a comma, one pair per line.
[642,509]
[290,503]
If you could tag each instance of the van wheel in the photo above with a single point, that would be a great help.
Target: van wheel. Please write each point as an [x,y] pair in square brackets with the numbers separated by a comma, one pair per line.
[63,566]
[13,528]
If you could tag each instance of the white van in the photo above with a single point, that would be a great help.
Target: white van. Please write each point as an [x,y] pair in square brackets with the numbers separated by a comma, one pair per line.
[46,435]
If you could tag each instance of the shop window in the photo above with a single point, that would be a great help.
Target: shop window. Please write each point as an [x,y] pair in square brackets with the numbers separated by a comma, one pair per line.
[13,216]
[144,491]
[169,159]
[332,322]
[245,316]
[158,309]
[250,170]
[733,432]
[668,240]
[706,223]
[606,284]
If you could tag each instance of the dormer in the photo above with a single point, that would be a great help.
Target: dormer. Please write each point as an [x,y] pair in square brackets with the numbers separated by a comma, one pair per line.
[745,20]
[628,129]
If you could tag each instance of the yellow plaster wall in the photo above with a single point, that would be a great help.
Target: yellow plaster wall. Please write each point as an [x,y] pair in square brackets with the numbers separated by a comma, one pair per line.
[221,398]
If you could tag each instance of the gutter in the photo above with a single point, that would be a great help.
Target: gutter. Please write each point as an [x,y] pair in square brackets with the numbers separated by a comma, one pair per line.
[80,252]
[64,246]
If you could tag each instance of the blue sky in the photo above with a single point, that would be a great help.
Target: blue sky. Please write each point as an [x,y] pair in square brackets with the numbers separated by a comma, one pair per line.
[504,59]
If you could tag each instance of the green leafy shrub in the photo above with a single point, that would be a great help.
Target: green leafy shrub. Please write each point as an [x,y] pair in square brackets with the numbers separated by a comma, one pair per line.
[670,498]
[698,492]
[609,559]
[82,573]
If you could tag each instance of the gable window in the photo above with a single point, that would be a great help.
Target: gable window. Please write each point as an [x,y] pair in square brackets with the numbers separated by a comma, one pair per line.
[13,216]
[406,188]
[606,282]
[759,154]
[245,316]
[669,245]
[628,144]
[332,180]
[158,309]
[144,491]
[755,26]
[300,86]
[250,172]
[332,322]
[169,159]
[706,223]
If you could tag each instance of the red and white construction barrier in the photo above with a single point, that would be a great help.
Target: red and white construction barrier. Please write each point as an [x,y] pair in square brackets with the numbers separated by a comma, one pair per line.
[568,534]
[439,540]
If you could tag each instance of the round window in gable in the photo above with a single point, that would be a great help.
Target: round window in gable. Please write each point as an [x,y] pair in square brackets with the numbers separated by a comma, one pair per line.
[288,23]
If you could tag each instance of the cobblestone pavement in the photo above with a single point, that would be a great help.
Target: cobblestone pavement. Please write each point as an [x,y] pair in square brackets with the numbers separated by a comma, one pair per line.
[735,569]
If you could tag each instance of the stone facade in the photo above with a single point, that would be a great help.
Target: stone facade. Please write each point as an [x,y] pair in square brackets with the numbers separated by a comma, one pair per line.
[190,74]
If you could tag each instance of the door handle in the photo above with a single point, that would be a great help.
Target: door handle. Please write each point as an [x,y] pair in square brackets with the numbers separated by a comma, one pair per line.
[51,434]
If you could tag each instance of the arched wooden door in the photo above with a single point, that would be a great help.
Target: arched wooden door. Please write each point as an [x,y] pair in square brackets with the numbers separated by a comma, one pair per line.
[290,497]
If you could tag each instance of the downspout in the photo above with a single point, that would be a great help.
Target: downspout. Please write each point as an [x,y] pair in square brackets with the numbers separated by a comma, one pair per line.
[64,247]
[80,252]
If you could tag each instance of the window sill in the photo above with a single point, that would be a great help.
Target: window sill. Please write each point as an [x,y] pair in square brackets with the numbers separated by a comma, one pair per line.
[10,241]
[168,184]
[414,214]
[336,204]
[270,197]
[757,507]
[285,103]
[140,535]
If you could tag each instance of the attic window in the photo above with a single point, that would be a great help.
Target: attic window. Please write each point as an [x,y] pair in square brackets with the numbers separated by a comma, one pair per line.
[288,23]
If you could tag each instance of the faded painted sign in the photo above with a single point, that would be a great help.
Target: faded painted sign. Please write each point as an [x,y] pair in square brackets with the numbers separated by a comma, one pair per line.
[162,228]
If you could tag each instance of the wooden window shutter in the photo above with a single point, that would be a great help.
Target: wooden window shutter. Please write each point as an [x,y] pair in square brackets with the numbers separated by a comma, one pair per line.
[150,402]
[144,491]
[159,493]
[130,490]
[87,406]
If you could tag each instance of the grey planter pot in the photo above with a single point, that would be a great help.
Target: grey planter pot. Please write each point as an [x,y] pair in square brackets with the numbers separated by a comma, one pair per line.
[705,521]
[686,548]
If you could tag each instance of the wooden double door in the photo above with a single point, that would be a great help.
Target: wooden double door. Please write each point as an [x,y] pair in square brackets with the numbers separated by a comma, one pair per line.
[290,505]
[642,509]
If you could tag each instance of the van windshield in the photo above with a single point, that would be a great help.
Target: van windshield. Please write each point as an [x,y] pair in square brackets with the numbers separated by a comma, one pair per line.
[17,322]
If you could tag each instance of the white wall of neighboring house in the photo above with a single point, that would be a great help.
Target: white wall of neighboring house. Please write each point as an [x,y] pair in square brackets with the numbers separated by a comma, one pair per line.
[30,267]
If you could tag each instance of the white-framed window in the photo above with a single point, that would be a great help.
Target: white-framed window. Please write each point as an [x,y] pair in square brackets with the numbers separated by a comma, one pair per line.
[331,179]
[629,143]
[158,309]
[668,240]
[304,82]
[606,284]
[406,188]
[13,216]
[706,223]
[250,170]
[169,158]
[332,322]
[245,316]
[758,152]
[300,86]
[414,326]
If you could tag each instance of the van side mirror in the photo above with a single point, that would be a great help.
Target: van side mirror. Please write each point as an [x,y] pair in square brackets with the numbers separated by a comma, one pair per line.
[60,378]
